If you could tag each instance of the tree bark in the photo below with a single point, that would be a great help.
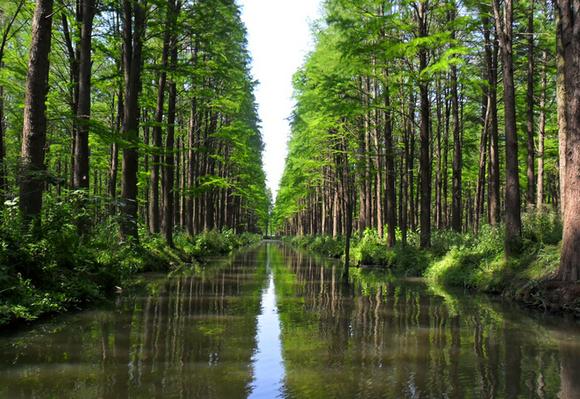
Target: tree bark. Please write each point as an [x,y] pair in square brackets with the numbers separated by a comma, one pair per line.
[530,192]
[512,191]
[6,34]
[154,217]
[568,39]
[457,165]
[168,168]
[542,134]
[425,142]
[390,193]
[133,32]
[494,205]
[81,142]
[32,175]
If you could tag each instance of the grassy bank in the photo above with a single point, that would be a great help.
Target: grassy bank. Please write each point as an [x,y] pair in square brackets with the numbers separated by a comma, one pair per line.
[473,261]
[63,271]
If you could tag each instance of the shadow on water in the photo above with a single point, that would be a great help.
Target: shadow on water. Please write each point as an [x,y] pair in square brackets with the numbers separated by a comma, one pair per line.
[273,321]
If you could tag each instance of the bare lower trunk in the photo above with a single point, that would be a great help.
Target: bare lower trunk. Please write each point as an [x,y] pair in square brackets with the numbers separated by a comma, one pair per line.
[133,32]
[390,194]
[531,179]
[512,191]
[542,135]
[425,135]
[568,37]
[34,123]
[81,149]
[494,170]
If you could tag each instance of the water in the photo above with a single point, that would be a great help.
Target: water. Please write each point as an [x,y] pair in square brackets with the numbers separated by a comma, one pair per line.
[274,322]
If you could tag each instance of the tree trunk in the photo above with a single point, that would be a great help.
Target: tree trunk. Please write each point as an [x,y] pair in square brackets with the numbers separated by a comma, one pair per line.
[6,34]
[530,192]
[133,32]
[32,175]
[494,168]
[542,134]
[425,141]
[390,193]
[154,216]
[457,155]
[169,164]
[81,142]
[512,191]
[568,39]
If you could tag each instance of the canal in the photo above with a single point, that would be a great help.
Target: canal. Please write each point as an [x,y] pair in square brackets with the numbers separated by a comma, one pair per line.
[272,322]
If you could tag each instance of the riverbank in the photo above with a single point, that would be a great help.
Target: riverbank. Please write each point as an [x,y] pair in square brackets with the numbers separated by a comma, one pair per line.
[471,261]
[64,271]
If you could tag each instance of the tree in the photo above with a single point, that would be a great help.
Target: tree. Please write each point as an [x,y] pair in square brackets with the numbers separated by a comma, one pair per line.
[421,16]
[7,33]
[81,143]
[568,39]
[530,173]
[32,175]
[504,29]
[133,33]
[456,203]
[169,164]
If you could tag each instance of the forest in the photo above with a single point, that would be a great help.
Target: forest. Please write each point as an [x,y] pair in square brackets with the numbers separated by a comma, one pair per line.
[425,231]
[126,128]
[432,138]
[446,132]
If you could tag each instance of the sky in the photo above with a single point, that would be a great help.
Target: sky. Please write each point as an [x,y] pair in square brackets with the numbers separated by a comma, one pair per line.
[279,38]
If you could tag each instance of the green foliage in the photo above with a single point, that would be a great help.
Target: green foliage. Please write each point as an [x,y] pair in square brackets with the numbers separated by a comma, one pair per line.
[323,245]
[372,250]
[212,243]
[64,270]
[406,260]
[479,261]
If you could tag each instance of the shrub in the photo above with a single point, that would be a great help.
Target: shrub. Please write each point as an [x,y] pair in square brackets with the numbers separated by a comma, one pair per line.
[541,228]
[57,269]
[371,250]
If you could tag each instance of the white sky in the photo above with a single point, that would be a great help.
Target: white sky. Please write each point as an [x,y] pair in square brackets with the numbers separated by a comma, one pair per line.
[279,38]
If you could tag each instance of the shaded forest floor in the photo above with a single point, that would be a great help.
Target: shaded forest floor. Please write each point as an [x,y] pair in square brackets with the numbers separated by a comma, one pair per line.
[63,271]
[471,261]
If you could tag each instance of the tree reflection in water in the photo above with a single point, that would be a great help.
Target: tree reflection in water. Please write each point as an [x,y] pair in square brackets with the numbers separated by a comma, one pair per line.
[196,337]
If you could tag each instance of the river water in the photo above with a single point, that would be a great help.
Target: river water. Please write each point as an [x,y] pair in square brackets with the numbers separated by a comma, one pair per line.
[275,322]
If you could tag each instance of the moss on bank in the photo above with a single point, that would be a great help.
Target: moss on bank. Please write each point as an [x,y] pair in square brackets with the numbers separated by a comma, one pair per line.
[473,261]
[64,271]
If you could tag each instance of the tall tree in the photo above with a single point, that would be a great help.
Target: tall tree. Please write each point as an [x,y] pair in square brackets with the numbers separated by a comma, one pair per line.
[568,39]
[531,179]
[456,189]
[513,221]
[169,164]
[32,174]
[154,216]
[81,176]
[422,19]
[7,33]
[133,34]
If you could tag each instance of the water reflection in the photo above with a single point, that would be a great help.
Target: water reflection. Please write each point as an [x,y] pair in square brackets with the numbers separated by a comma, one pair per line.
[402,340]
[190,337]
[268,364]
[273,321]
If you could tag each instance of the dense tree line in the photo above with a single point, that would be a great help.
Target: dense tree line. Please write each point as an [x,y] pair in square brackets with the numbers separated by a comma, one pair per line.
[421,115]
[143,109]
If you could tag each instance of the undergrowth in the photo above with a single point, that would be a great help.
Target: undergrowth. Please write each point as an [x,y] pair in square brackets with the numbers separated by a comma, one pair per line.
[457,259]
[57,269]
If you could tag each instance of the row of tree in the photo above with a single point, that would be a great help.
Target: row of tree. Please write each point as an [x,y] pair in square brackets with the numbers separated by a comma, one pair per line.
[162,84]
[400,124]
